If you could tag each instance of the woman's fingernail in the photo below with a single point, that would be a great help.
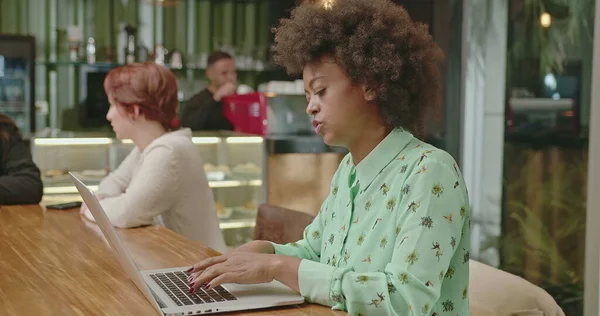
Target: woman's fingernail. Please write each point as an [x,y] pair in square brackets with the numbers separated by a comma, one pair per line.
[191,284]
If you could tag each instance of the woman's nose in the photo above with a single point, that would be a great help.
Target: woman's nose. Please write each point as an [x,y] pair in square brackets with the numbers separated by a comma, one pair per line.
[312,108]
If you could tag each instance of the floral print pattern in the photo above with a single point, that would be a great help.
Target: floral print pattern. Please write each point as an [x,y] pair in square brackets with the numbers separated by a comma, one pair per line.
[413,232]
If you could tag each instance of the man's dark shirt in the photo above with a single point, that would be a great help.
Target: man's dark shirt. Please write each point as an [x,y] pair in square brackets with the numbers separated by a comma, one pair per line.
[202,112]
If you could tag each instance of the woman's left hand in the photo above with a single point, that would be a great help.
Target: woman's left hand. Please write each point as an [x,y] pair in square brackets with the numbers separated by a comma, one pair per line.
[234,267]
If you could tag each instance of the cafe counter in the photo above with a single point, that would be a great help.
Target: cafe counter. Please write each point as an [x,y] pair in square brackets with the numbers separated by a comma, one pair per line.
[291,171]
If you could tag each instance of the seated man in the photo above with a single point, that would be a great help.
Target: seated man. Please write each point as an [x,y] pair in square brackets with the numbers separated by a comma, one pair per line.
[204,111]
[20,181]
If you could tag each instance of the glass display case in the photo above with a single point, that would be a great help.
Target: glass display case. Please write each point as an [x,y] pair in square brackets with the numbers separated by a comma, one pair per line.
[233,165]
[17,55]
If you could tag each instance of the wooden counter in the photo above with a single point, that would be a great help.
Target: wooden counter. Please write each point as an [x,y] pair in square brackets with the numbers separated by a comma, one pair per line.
[55,263]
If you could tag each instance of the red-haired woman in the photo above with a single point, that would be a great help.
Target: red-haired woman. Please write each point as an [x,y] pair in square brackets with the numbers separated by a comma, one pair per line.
[162,180]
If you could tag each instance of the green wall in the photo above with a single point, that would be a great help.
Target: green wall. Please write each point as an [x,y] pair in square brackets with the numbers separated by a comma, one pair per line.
[193,27]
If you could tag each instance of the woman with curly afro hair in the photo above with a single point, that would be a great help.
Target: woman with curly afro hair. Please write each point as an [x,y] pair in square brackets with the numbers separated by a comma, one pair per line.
[392,237]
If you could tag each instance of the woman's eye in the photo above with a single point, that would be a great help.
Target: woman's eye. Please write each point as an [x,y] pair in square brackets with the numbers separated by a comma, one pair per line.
[320,92]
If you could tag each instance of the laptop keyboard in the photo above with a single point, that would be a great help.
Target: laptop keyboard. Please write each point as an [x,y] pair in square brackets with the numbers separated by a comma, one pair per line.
[175,284]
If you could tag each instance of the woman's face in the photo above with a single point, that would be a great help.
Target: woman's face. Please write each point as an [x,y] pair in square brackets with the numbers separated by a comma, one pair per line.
[121,121]
[337,105]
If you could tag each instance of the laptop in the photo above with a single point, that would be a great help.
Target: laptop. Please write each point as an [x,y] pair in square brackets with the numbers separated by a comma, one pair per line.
[167,289]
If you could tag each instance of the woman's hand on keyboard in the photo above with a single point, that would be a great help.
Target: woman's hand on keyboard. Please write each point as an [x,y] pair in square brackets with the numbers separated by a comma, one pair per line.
[234,267]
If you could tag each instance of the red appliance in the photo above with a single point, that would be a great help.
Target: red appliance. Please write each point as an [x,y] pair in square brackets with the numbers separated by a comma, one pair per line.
[247,112]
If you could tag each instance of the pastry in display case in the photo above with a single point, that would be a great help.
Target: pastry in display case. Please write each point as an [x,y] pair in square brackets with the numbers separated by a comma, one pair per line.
[222,211]
[242,171]
[232,164]
[217,173]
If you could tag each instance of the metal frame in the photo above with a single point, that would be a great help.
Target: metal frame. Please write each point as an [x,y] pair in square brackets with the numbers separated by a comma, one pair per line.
[592,234]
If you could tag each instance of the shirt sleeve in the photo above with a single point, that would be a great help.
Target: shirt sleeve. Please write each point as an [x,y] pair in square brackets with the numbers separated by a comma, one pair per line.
[21,182]
[117,181]
[148,194]
[421,255]
[309,247]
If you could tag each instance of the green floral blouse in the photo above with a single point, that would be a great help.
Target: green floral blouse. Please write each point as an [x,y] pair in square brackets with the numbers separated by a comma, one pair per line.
[392,237]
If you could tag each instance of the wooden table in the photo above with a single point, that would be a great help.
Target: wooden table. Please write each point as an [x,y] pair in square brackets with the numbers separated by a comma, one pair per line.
[56,263]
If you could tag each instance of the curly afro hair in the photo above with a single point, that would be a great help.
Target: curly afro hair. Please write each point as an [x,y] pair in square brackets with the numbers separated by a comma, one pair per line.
[377,44]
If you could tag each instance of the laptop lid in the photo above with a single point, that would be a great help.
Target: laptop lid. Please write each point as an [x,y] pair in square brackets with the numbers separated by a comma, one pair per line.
[114,240]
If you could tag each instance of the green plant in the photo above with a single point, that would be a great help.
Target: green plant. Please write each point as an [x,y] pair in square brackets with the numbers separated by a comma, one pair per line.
[572,24]
[536,238]
[544,235]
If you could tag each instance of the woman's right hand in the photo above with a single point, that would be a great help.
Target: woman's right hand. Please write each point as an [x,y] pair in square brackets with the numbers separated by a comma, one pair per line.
[83,208]
[226,89]
[256,246]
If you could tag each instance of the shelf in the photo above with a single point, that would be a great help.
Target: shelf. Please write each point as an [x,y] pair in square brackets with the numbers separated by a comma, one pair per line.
[239,218]
[20,76]
[235,183]
[67,141]
[63,63]
[236,221]
[13,106]
[541,104]
[70,189]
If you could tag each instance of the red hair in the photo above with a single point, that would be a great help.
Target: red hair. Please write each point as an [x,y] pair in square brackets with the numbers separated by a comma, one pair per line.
[152,87]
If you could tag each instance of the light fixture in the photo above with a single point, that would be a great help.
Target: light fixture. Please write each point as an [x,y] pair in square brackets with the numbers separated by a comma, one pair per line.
[206,140]
[545,19]
[195,140]
[328,4]
[244,140]
[72,141]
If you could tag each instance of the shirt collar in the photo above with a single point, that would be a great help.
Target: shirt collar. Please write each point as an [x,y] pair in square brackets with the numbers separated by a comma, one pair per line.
[382,155]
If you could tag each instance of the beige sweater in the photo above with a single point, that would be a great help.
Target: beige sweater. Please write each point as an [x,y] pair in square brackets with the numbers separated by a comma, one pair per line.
[165,184]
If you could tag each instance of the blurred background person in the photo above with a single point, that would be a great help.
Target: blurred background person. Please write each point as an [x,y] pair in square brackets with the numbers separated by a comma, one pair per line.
[20,181]
[160,181]
[204,111]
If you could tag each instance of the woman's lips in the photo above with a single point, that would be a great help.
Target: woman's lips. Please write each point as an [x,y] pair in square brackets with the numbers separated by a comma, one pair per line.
[317,125]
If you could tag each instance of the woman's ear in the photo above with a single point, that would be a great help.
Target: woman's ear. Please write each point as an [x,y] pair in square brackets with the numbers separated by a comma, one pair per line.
[369,94]
[136,112]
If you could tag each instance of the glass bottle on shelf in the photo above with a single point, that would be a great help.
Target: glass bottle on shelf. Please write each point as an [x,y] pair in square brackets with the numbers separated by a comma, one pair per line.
[130,49]
[160,53]
[90,50]
[74,38]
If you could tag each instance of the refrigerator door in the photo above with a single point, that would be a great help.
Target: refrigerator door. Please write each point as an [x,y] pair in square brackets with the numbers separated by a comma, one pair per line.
[17,57]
